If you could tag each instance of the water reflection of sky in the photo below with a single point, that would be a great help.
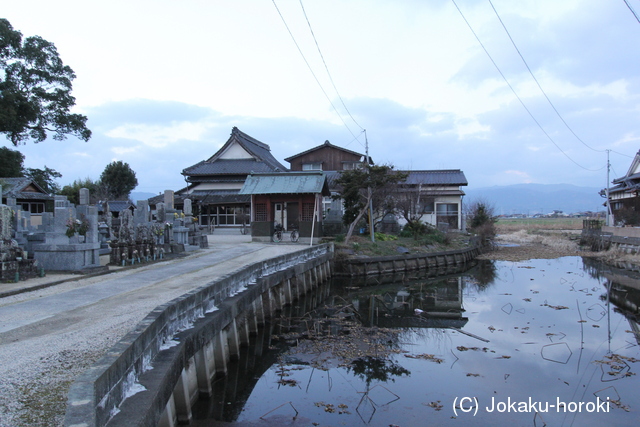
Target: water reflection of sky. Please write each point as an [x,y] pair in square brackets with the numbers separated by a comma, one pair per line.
[536,349]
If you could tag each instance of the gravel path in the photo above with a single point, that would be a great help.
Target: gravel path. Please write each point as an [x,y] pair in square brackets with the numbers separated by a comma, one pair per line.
[43,347]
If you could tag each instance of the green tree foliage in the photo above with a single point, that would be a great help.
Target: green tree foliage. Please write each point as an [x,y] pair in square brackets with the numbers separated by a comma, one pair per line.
[119,179]
[72,191]
[11,166]
[481,219]
[35,93]
[359,187]
[45,178]
[11,163]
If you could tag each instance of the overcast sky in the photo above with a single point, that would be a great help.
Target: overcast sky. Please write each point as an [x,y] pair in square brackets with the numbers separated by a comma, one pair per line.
[163,82]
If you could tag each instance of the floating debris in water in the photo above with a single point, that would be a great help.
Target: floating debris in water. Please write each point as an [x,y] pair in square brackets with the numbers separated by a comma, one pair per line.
[555,307]
[425,356]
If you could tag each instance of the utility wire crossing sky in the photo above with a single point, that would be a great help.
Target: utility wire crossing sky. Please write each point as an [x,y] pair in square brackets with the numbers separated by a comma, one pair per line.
[533,91]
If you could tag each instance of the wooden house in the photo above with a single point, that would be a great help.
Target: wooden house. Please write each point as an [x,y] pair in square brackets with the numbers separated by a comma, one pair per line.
[330,159]
[438,192]
[435,196]
[291,200]
[28,195]
[214,184]
[624,196]
[326,157]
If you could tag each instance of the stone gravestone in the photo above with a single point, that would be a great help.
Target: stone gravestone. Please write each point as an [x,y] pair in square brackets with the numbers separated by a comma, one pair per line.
[161,212]
[141,214]
[84,196]
[188,210]
[168,199]
[126,232]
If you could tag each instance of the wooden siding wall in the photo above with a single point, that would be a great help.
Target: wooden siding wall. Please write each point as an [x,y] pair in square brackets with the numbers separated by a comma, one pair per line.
[270,199]
[330,158]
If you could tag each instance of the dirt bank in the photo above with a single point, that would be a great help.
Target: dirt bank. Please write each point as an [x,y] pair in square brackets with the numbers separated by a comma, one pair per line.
[522,245]
[547,244]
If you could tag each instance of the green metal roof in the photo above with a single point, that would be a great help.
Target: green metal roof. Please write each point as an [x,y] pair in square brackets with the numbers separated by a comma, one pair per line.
[286,183]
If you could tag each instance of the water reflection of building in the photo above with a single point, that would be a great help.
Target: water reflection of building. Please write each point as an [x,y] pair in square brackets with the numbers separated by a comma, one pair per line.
[419,305]
[623,291]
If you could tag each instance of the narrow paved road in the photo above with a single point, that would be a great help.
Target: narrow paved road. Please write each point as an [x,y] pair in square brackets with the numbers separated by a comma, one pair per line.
[48,337]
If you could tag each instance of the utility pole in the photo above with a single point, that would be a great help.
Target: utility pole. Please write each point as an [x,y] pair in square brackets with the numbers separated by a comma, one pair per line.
[606,189]
[366,147]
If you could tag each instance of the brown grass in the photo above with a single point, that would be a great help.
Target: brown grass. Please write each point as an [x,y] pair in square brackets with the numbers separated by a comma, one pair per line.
[505,226]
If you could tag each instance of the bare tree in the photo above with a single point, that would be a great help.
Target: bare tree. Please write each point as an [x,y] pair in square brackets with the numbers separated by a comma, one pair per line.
[360,187]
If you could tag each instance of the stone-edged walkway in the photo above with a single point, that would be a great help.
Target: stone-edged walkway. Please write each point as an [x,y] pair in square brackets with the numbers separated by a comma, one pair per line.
[51,335]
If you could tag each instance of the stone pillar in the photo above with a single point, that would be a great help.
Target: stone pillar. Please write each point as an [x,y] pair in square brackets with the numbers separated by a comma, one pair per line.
[141,215]
[60,202]
[182,400]
[203,373]
[84,196]
[168,199]
[161,212]
[6,219]
[188,210]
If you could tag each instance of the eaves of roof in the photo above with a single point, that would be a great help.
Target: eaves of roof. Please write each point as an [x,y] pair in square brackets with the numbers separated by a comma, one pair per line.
[286,183]
[436,177]
[257,149]
[326,144]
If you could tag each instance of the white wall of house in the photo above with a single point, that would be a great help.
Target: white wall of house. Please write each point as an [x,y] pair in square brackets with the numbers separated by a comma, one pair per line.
[432,217]
[235,151]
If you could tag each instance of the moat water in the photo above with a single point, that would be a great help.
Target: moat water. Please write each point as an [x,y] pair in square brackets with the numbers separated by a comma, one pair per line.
[538,342]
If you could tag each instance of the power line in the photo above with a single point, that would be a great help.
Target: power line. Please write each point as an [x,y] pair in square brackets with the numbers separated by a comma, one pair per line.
[326,67]
[621,154]
[538,83]
[311,70]
[632,11]
[517,96]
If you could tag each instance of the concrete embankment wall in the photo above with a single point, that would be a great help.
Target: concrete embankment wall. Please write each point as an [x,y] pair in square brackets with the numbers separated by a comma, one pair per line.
[404,263]
[155,373]
[626,239]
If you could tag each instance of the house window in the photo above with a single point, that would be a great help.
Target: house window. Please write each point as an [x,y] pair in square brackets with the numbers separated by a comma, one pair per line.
[348,166]
[231,215]
[261,212]
[447,213]
[307,212]
[33,207]
[312,166]
[428,206]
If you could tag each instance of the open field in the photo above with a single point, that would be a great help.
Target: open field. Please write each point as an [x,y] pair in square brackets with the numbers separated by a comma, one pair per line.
[506,226]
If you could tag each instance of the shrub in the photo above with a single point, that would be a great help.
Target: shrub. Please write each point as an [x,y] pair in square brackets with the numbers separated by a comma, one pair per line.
[482,221]
[415,229]
[382,237]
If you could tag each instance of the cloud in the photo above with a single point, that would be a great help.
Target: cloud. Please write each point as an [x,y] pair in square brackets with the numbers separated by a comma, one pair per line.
[159,135]
[147,111]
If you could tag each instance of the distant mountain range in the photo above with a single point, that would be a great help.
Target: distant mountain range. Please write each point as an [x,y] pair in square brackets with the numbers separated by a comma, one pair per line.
[527,199]
[538,198]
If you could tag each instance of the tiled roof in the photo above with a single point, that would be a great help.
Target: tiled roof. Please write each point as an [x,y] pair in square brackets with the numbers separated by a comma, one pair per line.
[209,197]
[263,160]
[436,177]
[286,183]
[119,205]
[424,177]
[227,167]
[212,197]
[13,187]
[326,144]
